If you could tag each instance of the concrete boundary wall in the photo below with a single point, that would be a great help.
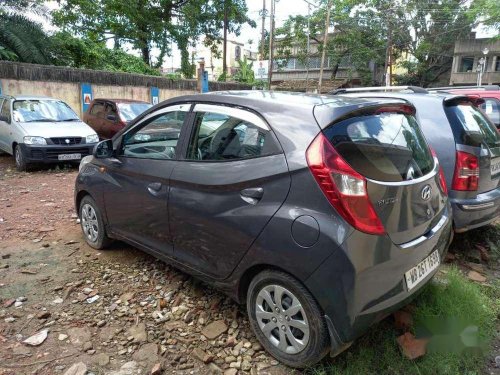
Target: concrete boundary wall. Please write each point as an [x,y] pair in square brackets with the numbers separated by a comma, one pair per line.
[66,84]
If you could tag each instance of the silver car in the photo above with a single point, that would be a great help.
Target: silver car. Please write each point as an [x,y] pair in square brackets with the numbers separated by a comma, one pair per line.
[37,129]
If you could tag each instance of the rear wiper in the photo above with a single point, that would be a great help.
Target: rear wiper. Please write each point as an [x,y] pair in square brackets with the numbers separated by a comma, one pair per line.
[69,119]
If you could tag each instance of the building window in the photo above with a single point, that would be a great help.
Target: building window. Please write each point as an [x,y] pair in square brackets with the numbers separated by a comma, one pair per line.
[497,64]
[466,64]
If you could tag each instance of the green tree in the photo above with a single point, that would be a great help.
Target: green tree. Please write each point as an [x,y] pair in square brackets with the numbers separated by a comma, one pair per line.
[152,24]
[488,12]
[22,39]
[245,71]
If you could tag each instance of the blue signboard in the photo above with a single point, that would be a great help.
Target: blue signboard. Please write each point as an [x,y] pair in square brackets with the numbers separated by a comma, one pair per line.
[155,95]
[0,87]
[86,96]
[204,82]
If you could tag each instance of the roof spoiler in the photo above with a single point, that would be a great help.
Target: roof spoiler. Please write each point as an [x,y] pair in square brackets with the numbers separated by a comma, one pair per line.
[415,89]
[484,87]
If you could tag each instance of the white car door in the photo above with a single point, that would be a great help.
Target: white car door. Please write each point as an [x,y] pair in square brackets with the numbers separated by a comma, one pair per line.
[5,126]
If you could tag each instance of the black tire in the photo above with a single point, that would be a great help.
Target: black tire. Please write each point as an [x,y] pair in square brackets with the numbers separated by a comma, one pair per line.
[92,223]
[21,164]
[315,343]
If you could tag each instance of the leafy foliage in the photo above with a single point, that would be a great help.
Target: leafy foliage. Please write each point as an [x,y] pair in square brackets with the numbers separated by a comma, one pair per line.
[245,71]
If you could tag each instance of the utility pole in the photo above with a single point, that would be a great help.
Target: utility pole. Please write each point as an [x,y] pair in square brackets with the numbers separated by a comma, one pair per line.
[271,37]
[388,53]
[308,43]
[263,13]
[325,40]
[224,47]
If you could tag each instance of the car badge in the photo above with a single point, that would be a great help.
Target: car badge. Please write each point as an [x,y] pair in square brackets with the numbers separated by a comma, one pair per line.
[426,192]
[67,141]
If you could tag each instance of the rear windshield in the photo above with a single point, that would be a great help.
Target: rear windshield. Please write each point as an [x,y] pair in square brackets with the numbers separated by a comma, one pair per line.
[471,120]
[383,147]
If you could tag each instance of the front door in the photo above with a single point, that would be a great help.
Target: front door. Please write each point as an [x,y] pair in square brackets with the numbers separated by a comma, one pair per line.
[136,199]
[5,126]
[233,180]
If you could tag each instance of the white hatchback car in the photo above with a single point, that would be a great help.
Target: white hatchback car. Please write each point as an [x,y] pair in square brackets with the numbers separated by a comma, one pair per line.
[37,129]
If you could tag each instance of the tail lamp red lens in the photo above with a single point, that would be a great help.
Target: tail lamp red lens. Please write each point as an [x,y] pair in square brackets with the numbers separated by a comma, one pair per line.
[466,176]
[442,179]
[344,188]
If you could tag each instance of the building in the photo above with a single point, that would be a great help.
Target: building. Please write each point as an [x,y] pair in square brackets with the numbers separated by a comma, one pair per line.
[466,60]
[301,73]
[213,62]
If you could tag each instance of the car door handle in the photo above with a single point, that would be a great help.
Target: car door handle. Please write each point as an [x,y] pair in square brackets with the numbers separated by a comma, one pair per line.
[252,195]
[155,188]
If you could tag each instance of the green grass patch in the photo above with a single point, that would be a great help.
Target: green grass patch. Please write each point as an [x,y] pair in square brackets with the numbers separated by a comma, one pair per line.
[451,299]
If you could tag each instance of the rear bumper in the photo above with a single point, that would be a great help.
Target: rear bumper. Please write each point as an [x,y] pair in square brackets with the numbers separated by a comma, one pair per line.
[363,281]
[473,213]
[50,153]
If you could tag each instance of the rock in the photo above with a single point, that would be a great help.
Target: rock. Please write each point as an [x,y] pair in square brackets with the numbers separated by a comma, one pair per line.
[127,296]
[37,339]
[214,329]
[9,302]
[201,355]
[230,359]
[18,304]
[87,290]
[43,315]
[77,369]
[246,365]
[78,336]
[129,368]
[101,323]
[21,350]
[58,301]
[10,319]
[476,276]
[87,346]
[497,361]
[62,337]
[236,365]
[412,347]
[21,299]
[156,370]
[148,352]
[231,371]
[102,359]
[138,333]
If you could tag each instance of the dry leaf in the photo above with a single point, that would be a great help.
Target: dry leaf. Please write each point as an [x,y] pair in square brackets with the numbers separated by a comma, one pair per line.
[412,348]
[476,276]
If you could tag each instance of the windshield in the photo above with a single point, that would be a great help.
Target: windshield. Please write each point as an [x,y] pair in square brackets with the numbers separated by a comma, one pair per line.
[42,110]
[129,111]
[384,147]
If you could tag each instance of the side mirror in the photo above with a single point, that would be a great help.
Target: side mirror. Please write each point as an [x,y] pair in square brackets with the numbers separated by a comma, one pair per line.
[103,149]
[5,118]
[111,118]
[474,139]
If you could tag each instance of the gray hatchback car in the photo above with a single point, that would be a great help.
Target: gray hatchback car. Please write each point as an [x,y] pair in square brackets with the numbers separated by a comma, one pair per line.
[467,144]
[323,214]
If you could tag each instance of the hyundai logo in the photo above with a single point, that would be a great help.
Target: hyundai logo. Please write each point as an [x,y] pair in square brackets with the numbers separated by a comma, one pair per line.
[67,141]
[426,192]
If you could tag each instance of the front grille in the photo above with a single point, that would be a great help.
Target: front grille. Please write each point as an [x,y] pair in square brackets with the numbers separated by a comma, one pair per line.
[53,153]
[67,141]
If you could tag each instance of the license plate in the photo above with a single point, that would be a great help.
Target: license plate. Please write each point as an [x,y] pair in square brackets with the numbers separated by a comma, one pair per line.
[495,167]
[70,157]
[421,270]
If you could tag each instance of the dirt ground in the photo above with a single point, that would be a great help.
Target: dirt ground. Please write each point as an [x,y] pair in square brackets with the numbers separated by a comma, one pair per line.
[118,311]
[53,274]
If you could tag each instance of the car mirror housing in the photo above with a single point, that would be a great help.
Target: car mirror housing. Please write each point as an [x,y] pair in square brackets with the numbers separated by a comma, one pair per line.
[103,149]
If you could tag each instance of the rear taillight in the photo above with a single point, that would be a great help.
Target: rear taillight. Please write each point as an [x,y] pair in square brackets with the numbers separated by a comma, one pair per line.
[442,179]
[344,188]
[466,176]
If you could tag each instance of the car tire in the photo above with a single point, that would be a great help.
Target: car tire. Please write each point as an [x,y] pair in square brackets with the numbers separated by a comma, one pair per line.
[21,164]
[92,223]
[299,340]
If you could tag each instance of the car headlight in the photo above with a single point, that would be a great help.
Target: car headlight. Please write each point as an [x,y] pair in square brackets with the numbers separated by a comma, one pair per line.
[85,160]
[93,138]
[34,140]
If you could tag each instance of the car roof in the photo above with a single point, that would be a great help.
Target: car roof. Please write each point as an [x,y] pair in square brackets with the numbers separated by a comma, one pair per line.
[30,97]
[410,97]
[326,108]
[121,100]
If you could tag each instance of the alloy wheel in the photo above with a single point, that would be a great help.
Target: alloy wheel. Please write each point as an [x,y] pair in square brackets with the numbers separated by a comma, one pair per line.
[90,224]
[282,318]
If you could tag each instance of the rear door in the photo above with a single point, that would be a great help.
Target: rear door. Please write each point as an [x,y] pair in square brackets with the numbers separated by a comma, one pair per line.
[389,150]
[234,178]
[6,138]
[467,119]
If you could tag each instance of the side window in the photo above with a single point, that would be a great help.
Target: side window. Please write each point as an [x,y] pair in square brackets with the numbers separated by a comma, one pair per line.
[229,134]
[111,110]
[97,109]
[156,138]
[6,109]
